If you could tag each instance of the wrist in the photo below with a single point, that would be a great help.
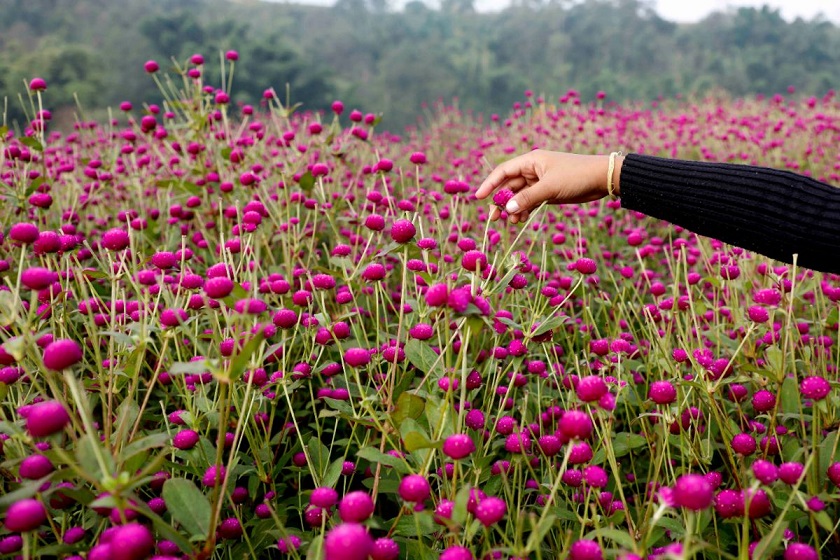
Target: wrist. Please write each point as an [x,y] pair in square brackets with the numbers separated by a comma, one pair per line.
[613,172]
[619,161]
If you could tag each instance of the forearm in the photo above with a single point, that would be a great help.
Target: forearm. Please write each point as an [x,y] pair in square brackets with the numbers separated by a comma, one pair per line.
[772,212]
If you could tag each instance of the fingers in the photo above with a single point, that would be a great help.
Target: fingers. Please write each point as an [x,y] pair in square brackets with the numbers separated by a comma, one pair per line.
[508,170]
[529,198]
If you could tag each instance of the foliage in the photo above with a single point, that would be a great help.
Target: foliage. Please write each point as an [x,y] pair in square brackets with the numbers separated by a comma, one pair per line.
[232,333]
[399,61]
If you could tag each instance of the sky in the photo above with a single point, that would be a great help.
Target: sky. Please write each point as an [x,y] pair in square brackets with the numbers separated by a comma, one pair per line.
[689,10]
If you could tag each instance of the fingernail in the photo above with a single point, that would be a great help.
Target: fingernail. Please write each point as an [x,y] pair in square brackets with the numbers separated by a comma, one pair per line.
[512,206]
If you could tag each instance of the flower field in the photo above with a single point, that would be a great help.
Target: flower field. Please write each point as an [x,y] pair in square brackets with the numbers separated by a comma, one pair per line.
[253,332]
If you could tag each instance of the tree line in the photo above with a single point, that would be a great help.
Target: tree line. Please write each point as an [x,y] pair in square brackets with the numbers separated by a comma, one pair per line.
[395,62]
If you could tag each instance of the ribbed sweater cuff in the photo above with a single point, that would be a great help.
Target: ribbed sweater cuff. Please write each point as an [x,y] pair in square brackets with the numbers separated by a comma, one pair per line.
[772,212]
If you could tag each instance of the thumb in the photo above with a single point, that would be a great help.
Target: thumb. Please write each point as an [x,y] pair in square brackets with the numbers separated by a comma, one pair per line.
[528,198]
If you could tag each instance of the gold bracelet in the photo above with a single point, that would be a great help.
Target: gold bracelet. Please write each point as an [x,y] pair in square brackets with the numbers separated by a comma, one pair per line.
[610,170]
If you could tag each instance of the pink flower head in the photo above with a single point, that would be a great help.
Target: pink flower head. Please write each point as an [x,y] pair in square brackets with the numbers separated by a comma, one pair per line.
[458,446]
[355,507]
[131,541]
[414,488]
[357,357]
[62,354]
[37,84]
[348,541]
[585,266]
[585,549]
[502,197]
[814,387]
[490,511]
[46,418]
[403,231]
[693,491]
[24,232]
[25,515]
[115,239]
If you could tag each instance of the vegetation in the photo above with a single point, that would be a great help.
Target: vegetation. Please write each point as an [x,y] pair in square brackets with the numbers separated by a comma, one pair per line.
[395,61]
[239,333]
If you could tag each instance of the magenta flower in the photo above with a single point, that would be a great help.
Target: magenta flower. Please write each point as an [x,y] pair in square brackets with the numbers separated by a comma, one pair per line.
[458,446]
[37,84]
[62,354]
[693,491]
[25,515]
[348,541]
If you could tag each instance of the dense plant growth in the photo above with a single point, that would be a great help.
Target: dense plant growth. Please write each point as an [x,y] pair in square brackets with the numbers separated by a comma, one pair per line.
[394,56]
[234,331]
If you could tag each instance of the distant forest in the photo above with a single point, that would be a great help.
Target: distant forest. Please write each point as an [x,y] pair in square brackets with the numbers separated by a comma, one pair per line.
[394,62]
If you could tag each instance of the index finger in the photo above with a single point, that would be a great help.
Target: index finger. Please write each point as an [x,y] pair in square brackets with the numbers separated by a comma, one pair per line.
[507,170]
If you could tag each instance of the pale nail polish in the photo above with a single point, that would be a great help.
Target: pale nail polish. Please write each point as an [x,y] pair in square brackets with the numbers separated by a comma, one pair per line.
[512,207]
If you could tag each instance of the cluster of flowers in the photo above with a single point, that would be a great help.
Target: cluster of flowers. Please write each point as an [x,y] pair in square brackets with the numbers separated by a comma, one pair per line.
[228,330]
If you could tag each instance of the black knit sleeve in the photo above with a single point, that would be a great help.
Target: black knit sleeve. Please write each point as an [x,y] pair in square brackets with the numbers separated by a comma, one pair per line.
[769,211]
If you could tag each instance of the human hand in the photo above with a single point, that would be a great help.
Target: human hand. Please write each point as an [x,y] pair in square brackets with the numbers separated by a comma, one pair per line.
[554,177]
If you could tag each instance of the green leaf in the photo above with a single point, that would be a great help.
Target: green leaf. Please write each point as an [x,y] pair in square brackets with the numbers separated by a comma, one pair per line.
[316,549]
[387,249]
[403,383]
[625,442]
[790,396]
[622,538]
[375,456]
[25,491]
[459,511]
[422,357]
[408,406]
[542,528]
[32,143]
[86,456]
[475,324]
[144,444]
[126,415]
[341,406]
[827,450]
[333,473]
[774,358]
[165,529]
[550,323]
[676,527]
[307,181]
[16,347]
[770,542]
[510,323]
[419,521]
[33,186]
[418,550]
[833,318]
[189,368]
[412,441]
[239,363]
[188,506]
[824,520]
[319,454]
